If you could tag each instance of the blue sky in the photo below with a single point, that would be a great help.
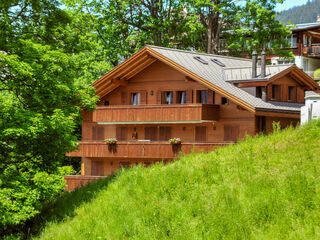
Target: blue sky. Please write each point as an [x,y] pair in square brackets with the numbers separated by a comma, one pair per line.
[290,3]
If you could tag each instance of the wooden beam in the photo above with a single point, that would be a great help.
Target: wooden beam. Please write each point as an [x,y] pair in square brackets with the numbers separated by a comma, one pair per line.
[139,68]
[306,79]
[132,66]
[107,90]
[120,67]
[253,84]
[277,114]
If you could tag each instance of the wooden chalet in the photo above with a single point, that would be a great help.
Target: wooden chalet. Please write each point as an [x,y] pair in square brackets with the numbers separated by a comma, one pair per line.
[207,101]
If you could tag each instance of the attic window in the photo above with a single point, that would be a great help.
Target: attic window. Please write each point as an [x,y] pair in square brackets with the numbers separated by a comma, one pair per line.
[200,60]
[216,61]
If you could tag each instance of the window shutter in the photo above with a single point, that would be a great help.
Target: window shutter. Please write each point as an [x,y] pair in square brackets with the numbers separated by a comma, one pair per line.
[201,133]
[279,93]
[143,97]
[100,134]
[121,133]
[124,98]
[294,95]
[189,96]
[300,95]
[231,133]
[269,92]
[210,97]
[97,168]
[94,133]
[159,97]
[164,133]
[195,96]
[151,133]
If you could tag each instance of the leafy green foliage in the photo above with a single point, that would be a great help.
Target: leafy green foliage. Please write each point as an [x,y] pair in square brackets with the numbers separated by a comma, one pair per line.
[40,102]
[262,188]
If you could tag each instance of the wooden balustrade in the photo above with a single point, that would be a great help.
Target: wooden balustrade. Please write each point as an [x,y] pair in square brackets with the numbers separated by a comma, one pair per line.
[312,51]
[157,113]
[136,149]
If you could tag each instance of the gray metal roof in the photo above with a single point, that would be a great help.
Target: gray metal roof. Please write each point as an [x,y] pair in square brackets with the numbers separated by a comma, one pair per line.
[245,73]
[213,73]
[304,26]
[311,93]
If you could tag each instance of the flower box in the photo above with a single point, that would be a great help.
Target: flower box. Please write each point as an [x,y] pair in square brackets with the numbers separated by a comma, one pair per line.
[111,141]
[175,141]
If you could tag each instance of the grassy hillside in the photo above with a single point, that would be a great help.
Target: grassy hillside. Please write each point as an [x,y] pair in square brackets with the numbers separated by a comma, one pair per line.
[262,188]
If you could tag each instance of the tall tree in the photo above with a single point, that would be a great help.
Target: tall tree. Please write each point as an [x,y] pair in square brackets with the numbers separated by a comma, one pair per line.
[40,101]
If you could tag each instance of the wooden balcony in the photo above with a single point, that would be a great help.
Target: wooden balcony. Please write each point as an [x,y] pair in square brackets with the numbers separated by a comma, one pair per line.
[157,113]
[136,149]
[313,51]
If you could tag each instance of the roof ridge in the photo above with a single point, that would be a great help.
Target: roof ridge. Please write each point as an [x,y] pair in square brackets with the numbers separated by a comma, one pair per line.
[198,53]
[278,65]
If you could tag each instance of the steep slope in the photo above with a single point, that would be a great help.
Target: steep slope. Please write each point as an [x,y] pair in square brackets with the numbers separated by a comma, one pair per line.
[262,188]
[306,13]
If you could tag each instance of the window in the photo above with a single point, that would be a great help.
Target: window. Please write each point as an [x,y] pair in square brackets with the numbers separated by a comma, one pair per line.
[291,93]
[275,91]
[218,62]
[106,103]
[168,98]
[182,97]
[201,60]
[292,41]
[202,96]
[224,101]
[135,98]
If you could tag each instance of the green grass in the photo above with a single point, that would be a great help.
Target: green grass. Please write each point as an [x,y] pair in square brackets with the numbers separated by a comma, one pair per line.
[262,188]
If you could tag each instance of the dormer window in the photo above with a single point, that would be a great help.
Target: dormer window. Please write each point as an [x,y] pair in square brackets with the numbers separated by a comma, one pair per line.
[216,61]
[201,60]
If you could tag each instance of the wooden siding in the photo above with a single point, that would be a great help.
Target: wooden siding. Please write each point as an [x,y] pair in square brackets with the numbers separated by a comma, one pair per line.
[282,94]
[162,150]
[157,113]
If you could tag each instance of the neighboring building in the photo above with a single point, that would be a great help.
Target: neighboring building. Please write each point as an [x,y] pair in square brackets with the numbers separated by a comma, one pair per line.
[311,110]
[305,45]
[207,100]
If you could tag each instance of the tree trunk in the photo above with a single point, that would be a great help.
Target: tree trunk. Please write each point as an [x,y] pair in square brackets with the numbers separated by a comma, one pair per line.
[209,33]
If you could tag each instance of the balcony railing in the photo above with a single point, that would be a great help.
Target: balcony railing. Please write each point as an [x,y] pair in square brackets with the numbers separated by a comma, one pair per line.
[136,149]
[313,51]
[157,113]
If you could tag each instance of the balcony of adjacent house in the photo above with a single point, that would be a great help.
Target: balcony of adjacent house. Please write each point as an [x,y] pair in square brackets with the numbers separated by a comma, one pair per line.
[312,51]
[311,44]
[173,107]
[144,149]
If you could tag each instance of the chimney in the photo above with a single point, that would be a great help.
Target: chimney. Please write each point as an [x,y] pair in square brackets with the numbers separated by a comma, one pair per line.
[254,64]
[318,18]
[263,64]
